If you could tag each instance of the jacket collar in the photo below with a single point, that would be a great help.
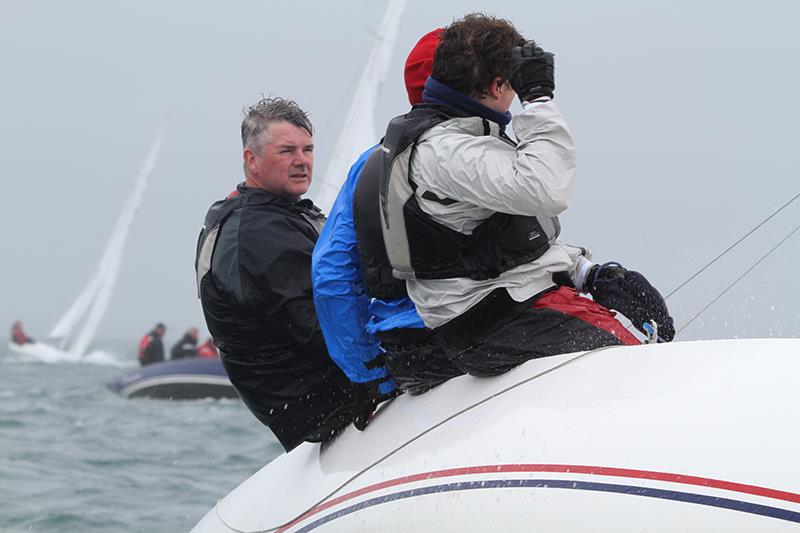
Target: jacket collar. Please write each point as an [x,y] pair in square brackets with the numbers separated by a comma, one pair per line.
[437,92]
[256,196]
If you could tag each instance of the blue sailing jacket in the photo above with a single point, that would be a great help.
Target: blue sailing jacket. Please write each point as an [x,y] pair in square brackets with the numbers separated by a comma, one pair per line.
[348,317]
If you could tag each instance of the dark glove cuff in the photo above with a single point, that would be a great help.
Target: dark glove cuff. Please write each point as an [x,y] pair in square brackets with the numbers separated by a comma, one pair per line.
[370,391]
[597,272]
[376,362]
[532,93]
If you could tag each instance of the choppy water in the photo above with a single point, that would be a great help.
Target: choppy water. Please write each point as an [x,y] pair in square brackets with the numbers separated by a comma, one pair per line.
[76,457]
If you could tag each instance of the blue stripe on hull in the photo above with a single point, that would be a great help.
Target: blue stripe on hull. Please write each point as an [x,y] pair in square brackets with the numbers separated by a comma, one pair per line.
[686,497]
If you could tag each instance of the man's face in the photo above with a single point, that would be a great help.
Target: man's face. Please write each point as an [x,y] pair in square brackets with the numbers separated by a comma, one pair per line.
[286,161]
[499,96]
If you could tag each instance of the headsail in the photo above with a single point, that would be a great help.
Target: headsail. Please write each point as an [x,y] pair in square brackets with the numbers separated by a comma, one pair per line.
[93,301]
[61,332]
[358,132]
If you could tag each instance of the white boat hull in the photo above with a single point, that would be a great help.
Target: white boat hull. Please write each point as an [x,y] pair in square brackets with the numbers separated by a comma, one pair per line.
[43,353]
[696,436]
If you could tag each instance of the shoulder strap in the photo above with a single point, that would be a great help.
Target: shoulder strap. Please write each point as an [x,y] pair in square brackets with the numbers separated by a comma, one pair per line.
[376,271]
[207,239]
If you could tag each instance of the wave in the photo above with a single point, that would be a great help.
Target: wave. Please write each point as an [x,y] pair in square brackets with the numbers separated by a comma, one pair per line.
[37,352]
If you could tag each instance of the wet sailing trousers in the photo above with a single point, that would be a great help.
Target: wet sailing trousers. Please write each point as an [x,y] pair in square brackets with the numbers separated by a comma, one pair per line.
[416,361]
[560,321]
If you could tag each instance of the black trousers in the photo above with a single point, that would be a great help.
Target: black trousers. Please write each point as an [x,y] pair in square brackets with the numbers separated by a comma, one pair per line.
[416,361]
[318,416]
[307,404]
[421,363]
[532,334]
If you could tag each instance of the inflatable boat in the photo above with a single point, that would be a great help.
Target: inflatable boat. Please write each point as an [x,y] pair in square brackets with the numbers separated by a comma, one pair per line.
[184,379]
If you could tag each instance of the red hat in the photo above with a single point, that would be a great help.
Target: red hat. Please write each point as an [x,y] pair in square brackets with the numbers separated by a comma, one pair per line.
[420,64]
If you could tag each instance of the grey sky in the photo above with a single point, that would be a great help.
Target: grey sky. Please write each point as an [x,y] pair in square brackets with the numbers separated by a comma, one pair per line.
[685,116]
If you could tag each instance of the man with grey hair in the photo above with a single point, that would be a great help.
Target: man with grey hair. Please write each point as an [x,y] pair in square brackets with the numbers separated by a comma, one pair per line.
[254,281]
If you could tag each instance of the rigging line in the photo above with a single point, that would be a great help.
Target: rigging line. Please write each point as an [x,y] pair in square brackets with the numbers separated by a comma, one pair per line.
[731,247]
[737,280]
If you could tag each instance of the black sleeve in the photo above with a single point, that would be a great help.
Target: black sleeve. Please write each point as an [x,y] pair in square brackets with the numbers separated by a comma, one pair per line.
[154,352]
[276,266]
[160,350]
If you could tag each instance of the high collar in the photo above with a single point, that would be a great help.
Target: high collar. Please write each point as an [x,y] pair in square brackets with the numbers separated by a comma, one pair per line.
[263,196]
[437,92]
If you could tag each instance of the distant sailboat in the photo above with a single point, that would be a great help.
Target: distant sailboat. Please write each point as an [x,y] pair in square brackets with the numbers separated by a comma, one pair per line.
[358,131]
[74,332]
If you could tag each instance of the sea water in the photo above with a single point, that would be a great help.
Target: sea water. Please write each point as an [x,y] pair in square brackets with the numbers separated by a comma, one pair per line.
[74,456]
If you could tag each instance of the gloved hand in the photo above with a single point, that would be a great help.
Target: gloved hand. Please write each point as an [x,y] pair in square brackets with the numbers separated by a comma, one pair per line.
[613,286]
[532,72]
[366,397]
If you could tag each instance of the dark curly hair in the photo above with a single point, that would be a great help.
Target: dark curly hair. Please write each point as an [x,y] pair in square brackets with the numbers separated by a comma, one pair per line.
[473,52]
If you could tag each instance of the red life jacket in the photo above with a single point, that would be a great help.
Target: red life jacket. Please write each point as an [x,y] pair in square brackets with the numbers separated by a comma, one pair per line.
[207,349]
[18,336]
[143,344]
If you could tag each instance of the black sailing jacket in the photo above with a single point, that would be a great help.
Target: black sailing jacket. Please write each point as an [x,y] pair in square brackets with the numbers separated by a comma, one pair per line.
[257,299]
[185,347]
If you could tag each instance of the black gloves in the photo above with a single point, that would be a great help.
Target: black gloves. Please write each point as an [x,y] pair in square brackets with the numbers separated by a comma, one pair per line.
[532,72]
[366,397]
[613,286]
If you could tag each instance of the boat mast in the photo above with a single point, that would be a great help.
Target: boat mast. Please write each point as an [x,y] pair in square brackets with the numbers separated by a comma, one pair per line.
[358,131]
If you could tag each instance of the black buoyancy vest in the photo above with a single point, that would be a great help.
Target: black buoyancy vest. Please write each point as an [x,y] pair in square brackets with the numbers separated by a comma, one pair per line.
[219,213]
[413,245]
[216,215]
[376,271]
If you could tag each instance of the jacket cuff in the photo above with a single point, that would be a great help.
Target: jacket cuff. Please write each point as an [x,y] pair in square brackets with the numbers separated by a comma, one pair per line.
[533,103]
[380,389]
[387,387]
[582,273]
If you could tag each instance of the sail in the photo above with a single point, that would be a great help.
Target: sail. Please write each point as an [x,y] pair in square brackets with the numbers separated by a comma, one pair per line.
[63,328]
[358,131]
[92,303]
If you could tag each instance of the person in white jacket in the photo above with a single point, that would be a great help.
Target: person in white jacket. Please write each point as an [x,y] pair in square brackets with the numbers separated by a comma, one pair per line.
[470,216]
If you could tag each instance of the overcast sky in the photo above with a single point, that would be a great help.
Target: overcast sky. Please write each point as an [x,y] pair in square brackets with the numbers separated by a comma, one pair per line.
[685,116]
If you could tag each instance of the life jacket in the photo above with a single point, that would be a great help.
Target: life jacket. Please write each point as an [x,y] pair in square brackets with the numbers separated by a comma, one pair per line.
[220,211]
[376,270]
[415,245]
[207,349]
[144,344]
[18,336]
[207,239]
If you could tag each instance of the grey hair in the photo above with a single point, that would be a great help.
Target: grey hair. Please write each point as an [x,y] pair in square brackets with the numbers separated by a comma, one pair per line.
[260,115]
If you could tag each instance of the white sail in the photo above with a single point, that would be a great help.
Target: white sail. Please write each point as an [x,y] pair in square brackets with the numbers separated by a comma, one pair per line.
[91,304]
[358,131]
[61,331]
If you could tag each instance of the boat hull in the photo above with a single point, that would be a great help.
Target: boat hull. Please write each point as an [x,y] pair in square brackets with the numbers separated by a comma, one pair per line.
[185,379]
[678,437]
[42,353]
